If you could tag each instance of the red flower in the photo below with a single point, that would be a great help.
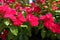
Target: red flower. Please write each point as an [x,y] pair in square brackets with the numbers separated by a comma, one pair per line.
[58,2]
[58,29]
[19,19]
[3,36]
[33,20]
[49,22]
[17,6]
[9,13]
[10,1]
[54,8]
[28,10]
[2,1]
[47,17]
[40,1]
[1,8]
[36,8]
[17,22]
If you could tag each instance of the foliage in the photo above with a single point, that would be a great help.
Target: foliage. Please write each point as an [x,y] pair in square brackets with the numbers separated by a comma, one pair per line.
[20,18]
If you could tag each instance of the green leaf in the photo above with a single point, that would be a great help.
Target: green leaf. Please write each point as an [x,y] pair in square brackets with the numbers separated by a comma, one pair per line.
[6,22]
[24,26]
[40,26]
[43,33]
[55,0]
[49,33]
[25,31]
[2,26]
[57,11]
[1,22]
[14,30]
[22,37]
[57,19]
[29,32]
[10,36]
[53,36]
[58,36]
[24,13]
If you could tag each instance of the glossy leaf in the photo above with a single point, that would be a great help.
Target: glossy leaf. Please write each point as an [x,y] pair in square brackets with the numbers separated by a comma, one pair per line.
[43,33]
[14,30]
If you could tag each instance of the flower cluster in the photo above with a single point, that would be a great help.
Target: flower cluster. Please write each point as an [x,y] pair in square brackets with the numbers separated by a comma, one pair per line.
[41,1]
[4,34]
[34,14]
[36,8]
[16,17]
[33,20]
[7,1]
[49,23]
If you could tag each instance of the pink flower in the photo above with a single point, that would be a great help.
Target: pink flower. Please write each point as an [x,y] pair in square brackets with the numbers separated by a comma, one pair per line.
[47,25]
[53,27]
[3,36]
[49,22]
[40,1]
[5,8]
[10,1]
[2,2]
[50,25]
[58,2]
[1,7]
[33,20]
[17,22]
[21,17]
[17,6]
[54,8]
[34,23]
[36,8]
[47,17]
[42,17]
[28,10]
[57,28]
[9,13]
